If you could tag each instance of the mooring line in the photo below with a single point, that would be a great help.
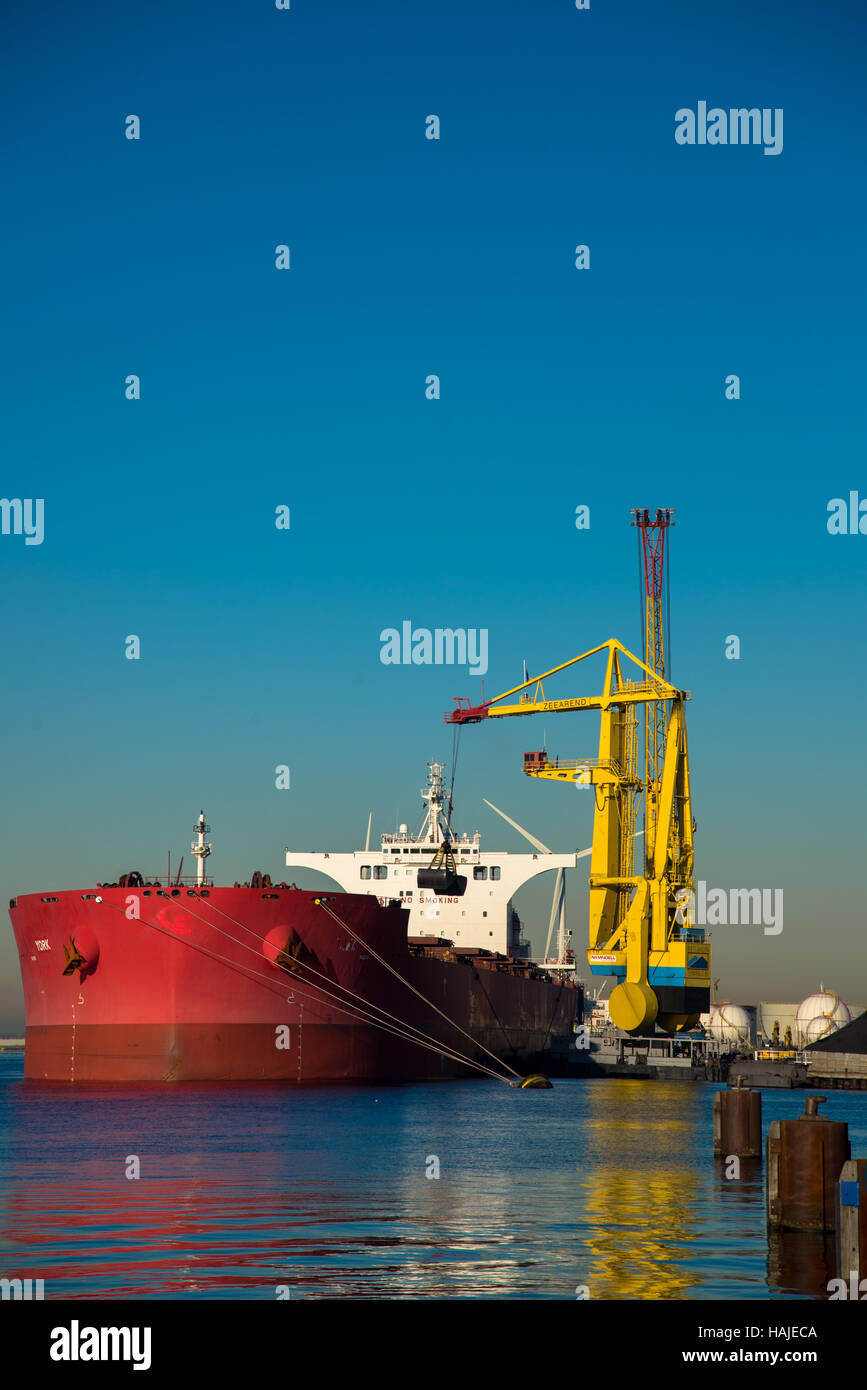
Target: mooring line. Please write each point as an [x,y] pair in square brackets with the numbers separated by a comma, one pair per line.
[401,1023]
[430,1002]
[255,977]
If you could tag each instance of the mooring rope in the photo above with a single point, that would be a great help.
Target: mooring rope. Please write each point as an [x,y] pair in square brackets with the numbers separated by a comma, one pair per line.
[266,982]
[354,1013]
[303,965]
[430,1002]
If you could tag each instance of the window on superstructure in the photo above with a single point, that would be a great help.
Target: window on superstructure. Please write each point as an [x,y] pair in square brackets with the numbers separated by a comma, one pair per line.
[480,871]
[365,871]
[380,871]
[495,871]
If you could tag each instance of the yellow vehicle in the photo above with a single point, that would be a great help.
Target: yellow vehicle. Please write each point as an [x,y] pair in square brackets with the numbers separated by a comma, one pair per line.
[641,928]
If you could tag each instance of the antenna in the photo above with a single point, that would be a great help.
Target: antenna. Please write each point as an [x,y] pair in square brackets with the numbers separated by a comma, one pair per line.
[367,841]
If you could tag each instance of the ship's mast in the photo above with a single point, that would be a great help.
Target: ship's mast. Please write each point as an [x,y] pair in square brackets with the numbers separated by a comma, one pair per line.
[435,821]
[200,849]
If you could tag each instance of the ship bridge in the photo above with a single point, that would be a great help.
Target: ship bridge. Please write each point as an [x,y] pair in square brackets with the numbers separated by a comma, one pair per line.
[481,916]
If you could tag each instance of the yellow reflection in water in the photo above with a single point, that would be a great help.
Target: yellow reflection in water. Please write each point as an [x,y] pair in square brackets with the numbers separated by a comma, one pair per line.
[640,1209]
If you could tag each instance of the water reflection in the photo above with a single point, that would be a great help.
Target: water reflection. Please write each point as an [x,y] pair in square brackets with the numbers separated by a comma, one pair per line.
[641,1204]
[801,1262]
[609,1184]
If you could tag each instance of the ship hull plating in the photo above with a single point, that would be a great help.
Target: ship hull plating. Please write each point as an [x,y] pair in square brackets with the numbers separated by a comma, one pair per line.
[169,986]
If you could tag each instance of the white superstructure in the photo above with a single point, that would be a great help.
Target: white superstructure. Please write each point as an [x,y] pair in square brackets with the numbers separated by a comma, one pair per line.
[483,916]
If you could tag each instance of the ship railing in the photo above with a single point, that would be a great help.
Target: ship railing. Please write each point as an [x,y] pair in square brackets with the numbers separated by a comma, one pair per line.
[163,881]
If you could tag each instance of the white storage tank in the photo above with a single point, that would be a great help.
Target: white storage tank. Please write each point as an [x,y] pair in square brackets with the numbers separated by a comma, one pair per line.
[820,1014]
[729,1024]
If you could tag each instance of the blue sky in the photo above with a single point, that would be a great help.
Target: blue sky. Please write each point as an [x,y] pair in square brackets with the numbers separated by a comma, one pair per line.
[306,388]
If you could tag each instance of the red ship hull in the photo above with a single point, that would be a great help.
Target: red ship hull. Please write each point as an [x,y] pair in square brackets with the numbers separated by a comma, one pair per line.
[189,990]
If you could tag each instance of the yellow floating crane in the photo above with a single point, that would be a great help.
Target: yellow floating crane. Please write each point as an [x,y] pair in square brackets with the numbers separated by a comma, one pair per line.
[641,929]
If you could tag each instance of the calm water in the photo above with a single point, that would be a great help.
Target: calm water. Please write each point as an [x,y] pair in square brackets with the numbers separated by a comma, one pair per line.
[608,1184]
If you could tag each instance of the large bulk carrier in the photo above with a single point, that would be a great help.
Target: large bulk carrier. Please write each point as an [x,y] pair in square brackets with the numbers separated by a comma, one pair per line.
[418,972]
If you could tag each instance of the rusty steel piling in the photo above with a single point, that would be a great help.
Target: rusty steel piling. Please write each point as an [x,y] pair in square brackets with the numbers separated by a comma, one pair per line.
[804,1159]
[737,1122]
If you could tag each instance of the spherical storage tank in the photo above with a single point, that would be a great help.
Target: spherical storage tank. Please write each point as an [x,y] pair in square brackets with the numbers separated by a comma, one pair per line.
[820,1014]
[729,1024]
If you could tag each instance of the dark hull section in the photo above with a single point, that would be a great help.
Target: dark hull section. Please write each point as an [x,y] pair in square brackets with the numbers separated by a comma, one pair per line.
[170,987]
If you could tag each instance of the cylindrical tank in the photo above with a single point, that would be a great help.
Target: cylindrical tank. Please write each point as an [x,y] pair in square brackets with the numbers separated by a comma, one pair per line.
[820,1014]
[729,1024]
[804,1161]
